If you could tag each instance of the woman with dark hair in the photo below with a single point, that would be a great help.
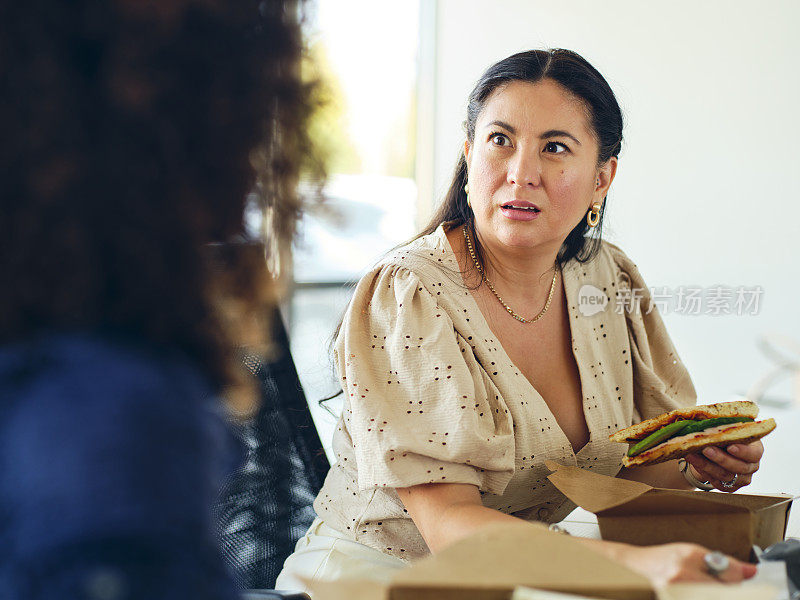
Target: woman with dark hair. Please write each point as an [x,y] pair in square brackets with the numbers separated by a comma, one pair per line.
[133,132]
[467,358]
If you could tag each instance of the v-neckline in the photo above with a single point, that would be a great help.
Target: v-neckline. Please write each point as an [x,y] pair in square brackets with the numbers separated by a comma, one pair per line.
[570,291]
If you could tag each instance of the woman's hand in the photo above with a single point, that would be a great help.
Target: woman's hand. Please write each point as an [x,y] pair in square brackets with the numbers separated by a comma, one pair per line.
[672,563]
[447,512]
[720,466]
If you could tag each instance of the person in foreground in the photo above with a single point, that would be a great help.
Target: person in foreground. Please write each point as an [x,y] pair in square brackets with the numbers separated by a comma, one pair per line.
[130,135]
[466,360]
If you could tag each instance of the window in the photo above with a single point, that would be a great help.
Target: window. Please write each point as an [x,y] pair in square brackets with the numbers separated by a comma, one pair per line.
[364,54]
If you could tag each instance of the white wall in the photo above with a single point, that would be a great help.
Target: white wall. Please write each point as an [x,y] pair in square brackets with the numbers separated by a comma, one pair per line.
[707,190]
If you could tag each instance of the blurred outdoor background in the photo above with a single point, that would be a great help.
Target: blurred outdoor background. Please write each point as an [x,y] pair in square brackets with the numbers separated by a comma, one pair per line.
[706,195]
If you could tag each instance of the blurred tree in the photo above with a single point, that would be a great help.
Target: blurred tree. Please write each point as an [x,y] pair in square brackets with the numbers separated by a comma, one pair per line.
[328,123]
[400,147]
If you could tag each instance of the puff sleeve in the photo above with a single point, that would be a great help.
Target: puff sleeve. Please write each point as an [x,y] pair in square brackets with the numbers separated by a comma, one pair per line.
[661,382]
[416,405]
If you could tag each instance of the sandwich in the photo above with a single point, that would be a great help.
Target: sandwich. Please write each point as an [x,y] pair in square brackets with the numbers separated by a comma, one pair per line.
[684,431]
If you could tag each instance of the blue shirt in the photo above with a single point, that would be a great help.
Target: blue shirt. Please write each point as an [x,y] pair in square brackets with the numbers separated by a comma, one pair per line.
[111,457]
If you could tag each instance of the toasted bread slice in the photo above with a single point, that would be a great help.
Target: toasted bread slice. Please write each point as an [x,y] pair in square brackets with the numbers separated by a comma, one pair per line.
[723,435]
[739,408]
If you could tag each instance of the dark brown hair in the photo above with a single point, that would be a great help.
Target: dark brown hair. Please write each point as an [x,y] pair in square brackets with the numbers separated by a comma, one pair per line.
[576,75]
[133,132]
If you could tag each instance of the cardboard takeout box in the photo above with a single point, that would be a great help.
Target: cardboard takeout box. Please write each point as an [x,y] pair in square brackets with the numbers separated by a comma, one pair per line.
[636,513]
[496,561]
[492,563]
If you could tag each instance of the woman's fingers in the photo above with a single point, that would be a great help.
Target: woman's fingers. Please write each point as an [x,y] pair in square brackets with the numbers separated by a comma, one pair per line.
[728,462]
[740,482]
[672,563]
[736,572]
[694,567]
[707,469]
[716,475]
[750,453]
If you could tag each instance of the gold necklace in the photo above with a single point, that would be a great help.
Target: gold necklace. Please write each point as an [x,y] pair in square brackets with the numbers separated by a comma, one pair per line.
[494,291]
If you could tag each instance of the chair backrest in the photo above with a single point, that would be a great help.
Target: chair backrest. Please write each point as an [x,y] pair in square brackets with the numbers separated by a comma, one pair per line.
[265,507]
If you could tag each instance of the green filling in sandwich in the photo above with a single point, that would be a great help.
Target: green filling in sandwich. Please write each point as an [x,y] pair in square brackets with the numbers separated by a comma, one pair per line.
[681,428]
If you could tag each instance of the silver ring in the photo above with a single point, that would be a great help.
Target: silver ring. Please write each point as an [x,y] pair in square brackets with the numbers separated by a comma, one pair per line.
[728,485]
[716,563]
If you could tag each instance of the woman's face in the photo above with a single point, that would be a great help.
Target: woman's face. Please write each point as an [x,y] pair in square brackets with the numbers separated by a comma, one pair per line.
[532,166]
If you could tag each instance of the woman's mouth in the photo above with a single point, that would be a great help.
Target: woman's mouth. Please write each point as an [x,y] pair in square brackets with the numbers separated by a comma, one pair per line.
[520,211]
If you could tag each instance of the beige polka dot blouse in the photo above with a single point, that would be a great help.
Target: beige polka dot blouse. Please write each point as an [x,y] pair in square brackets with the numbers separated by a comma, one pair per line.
[431,396]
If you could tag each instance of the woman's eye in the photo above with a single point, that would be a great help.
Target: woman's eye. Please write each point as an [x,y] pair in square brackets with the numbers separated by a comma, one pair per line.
[498,139]
[555,147]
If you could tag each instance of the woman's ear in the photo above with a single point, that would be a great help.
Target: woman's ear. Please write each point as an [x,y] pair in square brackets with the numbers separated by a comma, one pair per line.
[605,176]
[467,150]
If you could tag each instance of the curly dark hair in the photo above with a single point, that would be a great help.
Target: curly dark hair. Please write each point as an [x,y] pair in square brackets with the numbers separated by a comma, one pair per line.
[133,134]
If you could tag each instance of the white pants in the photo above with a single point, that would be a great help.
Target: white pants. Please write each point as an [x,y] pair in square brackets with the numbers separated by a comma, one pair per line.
[324,553]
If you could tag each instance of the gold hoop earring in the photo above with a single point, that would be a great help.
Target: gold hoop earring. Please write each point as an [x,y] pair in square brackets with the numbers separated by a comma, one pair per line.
[593,216]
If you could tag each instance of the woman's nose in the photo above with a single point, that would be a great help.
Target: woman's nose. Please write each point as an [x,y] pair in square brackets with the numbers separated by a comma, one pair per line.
[524,169]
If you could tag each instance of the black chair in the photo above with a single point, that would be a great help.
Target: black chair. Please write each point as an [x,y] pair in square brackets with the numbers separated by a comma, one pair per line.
[265,507]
